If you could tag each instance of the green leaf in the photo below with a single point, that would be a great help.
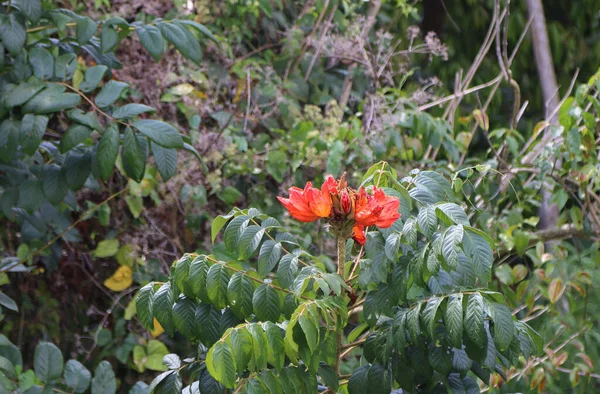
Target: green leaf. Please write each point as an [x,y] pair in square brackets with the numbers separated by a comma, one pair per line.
[259,347]
[12,32]
[22,93]
[134,158]
[201,28]
[65,66]
[77,168]
[104,381]
[48,362]
[198,271]
[392,246]
[234,231]
[161,133]
[474,320]
[51,100]
[451,213]
[106,248]
[144,305]
[42,63]
[110,93]
[504,327]
[54,184]
[208,321]
[413,324]
[217,224]
[31,195]
[427,220]
[166,161]
[217,280]
[86,28]
[239,295]
[9,139]
[359,381]
[180,277]
[77,376]
[33,128]
[184,312]
[151,40]
[249,241]
[220,364]
[450,245]
[31,8]
[182,39]
[379,379]
[266,303]
[276,349]
[311,330]
[453,319]
[85,118]
[430,312]
[130,110]
[93,77]
[269,255]
[108,150]
[172,361]
[163,307]
[288,268]
[109,39]
[74,136]
[479,250]
[241,344]
[8,302]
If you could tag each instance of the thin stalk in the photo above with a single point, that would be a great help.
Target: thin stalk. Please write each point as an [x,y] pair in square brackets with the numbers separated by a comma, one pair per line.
[341,252]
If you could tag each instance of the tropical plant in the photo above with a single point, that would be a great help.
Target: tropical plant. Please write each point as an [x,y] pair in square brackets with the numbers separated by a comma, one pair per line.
[410,308]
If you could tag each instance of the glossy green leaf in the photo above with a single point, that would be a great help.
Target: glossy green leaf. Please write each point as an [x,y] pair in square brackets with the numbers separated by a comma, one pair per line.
[453,319]
[48,362]
[240,291]
[159,132]
[221,364]
[266,303]
[77,376]
[217,280]
[104,381]
[152,40]
[134,158]
[144,305]
[163,307]
[474,319]
[110,93]
[33,128]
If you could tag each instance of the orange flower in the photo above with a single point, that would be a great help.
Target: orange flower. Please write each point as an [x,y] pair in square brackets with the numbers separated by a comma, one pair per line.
[379,210]
[309,204]
[358,234]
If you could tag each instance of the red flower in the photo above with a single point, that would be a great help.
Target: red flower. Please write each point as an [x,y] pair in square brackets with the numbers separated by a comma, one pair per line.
[349,211]
[358,234]
[379,210]
[309,204]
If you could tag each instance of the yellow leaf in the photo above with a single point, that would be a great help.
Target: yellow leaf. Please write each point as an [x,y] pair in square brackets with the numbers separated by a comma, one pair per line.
[482,119]
[157,329]
[555,290]
[240,89]
[121,279]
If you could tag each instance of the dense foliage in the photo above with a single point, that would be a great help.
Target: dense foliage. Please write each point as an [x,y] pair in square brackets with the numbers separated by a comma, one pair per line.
[128,129]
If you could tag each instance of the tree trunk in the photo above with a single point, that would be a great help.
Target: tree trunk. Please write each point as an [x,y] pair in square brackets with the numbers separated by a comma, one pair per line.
[548,213]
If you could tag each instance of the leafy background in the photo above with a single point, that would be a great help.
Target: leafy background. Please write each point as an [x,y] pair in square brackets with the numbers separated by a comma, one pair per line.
[258,110]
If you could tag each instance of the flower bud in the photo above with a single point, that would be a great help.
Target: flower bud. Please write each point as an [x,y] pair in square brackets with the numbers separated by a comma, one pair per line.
[346,202]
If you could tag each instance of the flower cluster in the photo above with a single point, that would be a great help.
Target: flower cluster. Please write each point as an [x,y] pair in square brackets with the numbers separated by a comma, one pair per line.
[349,211]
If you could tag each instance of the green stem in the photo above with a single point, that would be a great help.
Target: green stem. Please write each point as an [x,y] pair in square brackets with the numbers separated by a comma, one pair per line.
[341,254]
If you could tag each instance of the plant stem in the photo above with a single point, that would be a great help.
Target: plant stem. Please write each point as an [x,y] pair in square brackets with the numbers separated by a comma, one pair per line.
[341,254]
